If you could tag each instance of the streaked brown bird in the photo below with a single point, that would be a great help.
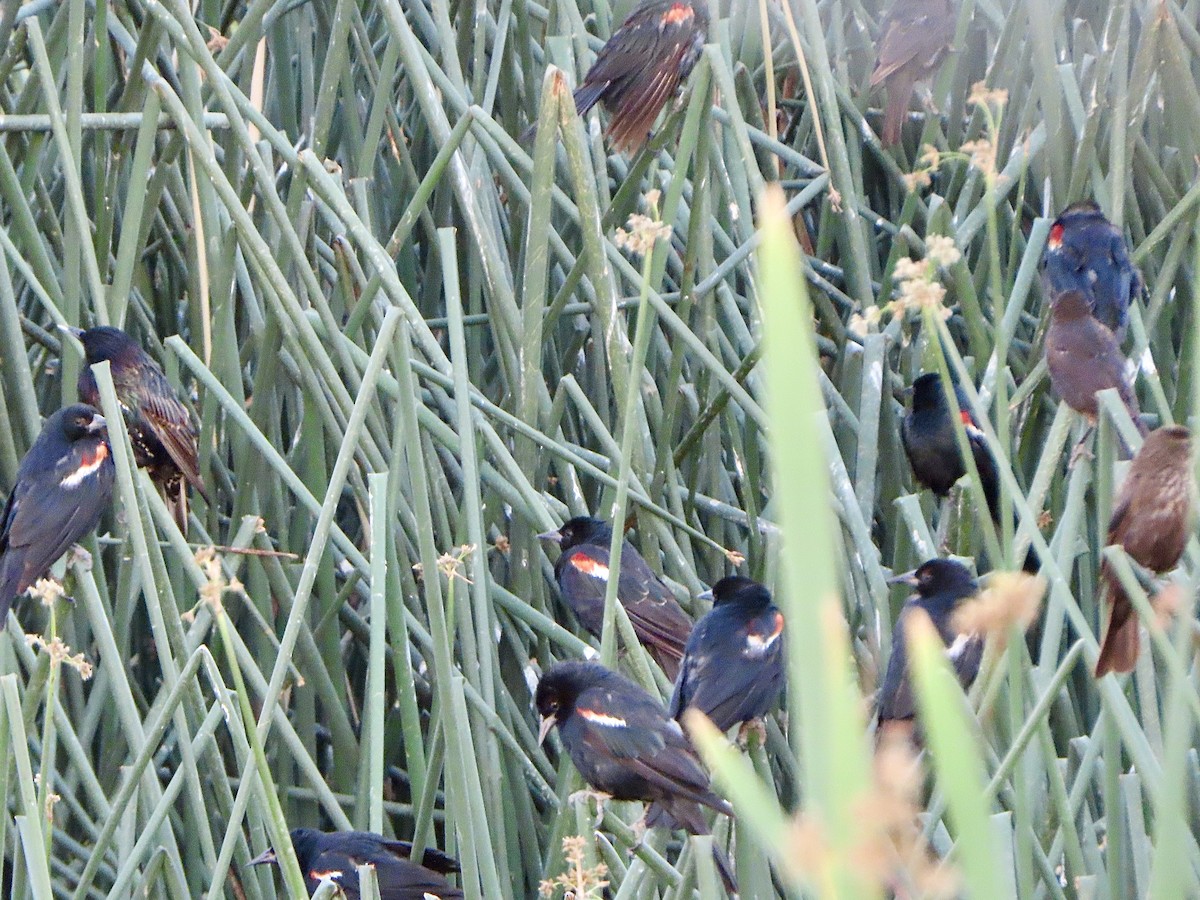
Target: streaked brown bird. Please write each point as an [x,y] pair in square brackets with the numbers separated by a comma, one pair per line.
[914,38]
[160,428]
[1152,518]
[582,573]
[642,65]
[1083,357]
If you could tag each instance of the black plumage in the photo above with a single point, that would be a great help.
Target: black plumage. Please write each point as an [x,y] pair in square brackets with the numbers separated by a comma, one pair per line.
[624,744]
[733,665]
[63,486]
[940,585]
[927,432]
[160,429]
[337,855]
[582,574]
[1087,253]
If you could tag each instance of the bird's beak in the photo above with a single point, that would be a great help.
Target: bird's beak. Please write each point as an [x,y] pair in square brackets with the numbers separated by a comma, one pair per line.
[554,535]
[547,724]
[72,330]
[98,423]
[909,578]
[264,858]
[705,595]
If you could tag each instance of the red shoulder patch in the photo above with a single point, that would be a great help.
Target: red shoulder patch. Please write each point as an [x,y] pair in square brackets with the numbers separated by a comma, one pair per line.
[588,566]
[1055,239]
[677,14]
[966,417]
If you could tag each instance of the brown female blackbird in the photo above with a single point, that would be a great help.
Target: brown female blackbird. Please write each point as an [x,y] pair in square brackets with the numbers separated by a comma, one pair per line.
[160,429]
[624,744]
[64,484]
[1083,357]
[1087,253]
[927,432]
[642,65]
[1151,519]
[914,37]
[337,855]
[941,584]
[733,665]
[582,573]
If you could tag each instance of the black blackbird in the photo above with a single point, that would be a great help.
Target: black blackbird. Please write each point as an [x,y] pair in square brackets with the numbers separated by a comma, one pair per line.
[1083,357]
[941,584]
[582,572]
[927,432]
[1087,253]
[640,67]
[624,744]
[914,38]
[160,429]
[337,856]
[1152,519]
[733,666]
[64,484]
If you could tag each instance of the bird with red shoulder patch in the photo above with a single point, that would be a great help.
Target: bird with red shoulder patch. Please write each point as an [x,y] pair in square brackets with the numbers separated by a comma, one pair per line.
[582,572]
[626,746]
[335,856]
[642,65]
[733,665]
[63,486]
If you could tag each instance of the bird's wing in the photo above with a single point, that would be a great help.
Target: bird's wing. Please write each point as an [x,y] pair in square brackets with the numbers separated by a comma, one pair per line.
[905,40]
[169,420]
[656,616]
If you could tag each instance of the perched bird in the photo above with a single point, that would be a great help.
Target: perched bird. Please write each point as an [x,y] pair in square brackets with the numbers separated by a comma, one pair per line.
[927,432]
[64,484]
[336,856]
[1083,357]
[1087,253]
[640,67]
[1152,518]
[914,38]
[582,573]
[941,584]
[160,429]
[625,745]
[732,667]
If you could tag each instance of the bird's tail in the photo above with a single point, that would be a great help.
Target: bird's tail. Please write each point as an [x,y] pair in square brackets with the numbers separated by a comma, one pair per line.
[1119,649]
[899,95]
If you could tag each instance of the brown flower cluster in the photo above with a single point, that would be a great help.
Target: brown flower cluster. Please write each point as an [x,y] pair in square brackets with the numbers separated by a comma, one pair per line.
[579,881]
